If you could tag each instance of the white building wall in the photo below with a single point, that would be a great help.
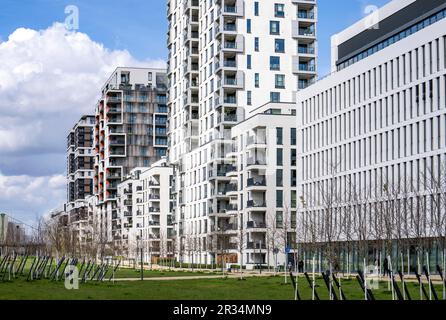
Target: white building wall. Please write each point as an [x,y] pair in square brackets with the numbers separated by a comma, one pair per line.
[211,79]
[380,122]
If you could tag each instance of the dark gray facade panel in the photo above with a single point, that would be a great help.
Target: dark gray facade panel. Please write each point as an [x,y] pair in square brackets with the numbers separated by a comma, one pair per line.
[388,27]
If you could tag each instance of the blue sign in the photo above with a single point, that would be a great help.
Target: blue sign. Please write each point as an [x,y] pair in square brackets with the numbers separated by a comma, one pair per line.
[287,250]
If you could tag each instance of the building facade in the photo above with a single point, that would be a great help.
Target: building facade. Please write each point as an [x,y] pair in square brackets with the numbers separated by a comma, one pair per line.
[144,214]
[80,174]
[372,157]
[263,188]
[154,213]
[225,61]
[130,131]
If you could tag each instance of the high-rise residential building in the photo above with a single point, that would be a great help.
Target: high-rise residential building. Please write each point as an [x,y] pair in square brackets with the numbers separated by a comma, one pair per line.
[80,161]
[372,136]
[80,174]
[130,131]
[226,58]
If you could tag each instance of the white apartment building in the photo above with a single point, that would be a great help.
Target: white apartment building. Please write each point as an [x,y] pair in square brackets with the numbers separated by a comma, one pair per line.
[144,213]
[130,131]
[263,187]
[226,58]
[128,199]
[373,133]
[154,215]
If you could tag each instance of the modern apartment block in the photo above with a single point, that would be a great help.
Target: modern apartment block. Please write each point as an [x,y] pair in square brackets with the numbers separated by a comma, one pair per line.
[373,134]
[80,161]
[144,215]
[130,131]
[226,58]
[80,174]
[263,189]
[154,213]
[124,232]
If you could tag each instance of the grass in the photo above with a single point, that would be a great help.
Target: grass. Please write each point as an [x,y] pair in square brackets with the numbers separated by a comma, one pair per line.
[132,273]
[123,273]
[260,288]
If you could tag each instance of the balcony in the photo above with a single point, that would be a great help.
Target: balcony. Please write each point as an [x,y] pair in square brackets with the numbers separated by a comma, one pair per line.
[253,204]
[256,245]
[257,182]
[154,210]
[232,118]
[304,14]
[306,50]
[255,162]
[117,142]
[255,225]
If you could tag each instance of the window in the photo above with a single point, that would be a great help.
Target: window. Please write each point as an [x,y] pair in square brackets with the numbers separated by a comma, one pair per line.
[293,157]
[274,63]
[279,10]
[249,61]
[293,178]
[275,97]
[150,76]
[249,98]
[280,81]
[256,80]
[256,8]
[256,44]
[279,198]
[279,159]
[279,135]
[279,219]
[274,27]
[293,137]
[293,205]
[248,25]
[280,45]
[279,178]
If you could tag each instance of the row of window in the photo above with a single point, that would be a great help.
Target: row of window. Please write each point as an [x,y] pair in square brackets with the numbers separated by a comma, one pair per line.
[414,177]
[410,140]
[414,102]
[391,75]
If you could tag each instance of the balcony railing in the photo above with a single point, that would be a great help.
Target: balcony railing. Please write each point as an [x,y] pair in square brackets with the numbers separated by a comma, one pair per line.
[256,182]
[255,225]
[253,204]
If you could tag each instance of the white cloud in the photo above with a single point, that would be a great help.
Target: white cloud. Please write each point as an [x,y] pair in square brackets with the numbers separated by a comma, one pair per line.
[48,79]
[26,197]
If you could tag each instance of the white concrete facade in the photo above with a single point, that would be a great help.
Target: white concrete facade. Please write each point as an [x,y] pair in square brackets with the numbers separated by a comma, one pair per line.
[227,57]
[263,187]
[377,125]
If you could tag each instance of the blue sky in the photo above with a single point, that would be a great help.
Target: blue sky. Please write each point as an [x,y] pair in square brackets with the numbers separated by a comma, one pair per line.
[140,25]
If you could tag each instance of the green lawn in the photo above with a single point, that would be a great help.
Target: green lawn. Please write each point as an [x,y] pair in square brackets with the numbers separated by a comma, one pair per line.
[135,273]
[132,273]
[265,288]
